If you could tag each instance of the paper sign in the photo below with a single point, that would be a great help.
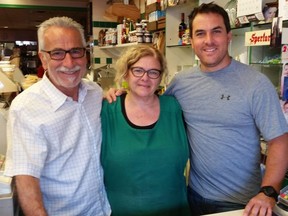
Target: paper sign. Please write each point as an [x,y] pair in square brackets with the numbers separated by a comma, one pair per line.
[284,36]
[258,38]
[248,7]
[283,9]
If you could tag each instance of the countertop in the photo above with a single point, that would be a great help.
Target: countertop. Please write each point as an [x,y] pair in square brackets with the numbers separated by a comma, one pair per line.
[277,211]
[230,213]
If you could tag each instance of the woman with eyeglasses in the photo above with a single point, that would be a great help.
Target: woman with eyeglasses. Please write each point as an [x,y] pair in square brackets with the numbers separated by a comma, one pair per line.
[144,147]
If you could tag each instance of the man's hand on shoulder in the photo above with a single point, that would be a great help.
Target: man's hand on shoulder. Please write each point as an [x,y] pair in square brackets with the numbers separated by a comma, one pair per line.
[112,93]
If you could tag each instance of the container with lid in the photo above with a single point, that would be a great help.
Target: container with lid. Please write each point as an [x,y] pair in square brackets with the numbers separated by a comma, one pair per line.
[148,37]
[138,27]
[139,37]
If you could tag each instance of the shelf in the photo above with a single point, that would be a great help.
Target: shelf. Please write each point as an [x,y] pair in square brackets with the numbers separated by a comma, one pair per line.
[243,26]
[259,24]
[116,50]
[119,45]
[175,3]
[180,46]
[266,64]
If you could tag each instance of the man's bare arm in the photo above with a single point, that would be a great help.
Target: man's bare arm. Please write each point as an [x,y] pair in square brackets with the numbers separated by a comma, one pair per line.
[276,167]
[112,93]
[29,195]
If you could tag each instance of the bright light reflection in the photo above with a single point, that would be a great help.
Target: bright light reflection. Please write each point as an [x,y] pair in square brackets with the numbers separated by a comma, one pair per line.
[21,43]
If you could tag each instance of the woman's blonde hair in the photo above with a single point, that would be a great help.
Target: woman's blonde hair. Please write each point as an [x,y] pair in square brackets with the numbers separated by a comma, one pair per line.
[134,54]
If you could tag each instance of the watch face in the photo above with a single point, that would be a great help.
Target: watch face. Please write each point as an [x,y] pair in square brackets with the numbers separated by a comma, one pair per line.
[269,191]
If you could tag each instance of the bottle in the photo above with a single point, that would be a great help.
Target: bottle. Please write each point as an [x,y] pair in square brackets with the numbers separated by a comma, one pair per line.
[123,36]
[188,27]
[101,37]
[182,28]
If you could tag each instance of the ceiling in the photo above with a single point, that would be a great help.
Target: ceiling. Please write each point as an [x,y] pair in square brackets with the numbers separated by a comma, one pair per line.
[28,17]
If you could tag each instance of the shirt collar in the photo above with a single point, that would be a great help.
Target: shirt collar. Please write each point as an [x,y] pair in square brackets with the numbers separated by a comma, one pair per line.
[57,98]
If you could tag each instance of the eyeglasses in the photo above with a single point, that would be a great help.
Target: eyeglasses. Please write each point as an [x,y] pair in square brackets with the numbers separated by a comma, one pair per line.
[139,72]
[59,54]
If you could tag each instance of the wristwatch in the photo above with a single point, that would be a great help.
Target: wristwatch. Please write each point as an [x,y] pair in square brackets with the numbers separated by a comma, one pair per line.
[270,192]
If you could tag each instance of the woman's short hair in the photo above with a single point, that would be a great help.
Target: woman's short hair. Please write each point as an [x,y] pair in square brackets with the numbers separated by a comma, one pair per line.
[133,55]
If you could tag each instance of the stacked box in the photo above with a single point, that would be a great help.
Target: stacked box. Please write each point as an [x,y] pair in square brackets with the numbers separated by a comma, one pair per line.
[161,23]
[152,7]
[156,25]
[155,16]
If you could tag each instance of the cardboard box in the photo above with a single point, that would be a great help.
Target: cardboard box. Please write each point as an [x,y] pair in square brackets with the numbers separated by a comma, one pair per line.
[156,15]
[152,26]
[161,23]
[152,7]
[156,25]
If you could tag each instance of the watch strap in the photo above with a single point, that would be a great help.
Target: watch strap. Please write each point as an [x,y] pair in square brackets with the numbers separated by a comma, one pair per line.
[270,192]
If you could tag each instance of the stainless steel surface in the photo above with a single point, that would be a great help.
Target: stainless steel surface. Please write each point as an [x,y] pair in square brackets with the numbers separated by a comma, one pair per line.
[104,76]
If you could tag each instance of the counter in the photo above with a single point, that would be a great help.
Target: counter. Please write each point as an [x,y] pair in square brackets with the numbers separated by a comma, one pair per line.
[7,203]
[230,213]
[277,212]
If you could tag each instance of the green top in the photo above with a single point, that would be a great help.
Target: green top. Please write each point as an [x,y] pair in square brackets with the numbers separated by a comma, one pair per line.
[144,167]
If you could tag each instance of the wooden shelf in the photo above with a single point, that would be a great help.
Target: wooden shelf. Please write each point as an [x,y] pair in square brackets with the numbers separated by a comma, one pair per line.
[181,46]
[122,10]
[118,45]
[116,50]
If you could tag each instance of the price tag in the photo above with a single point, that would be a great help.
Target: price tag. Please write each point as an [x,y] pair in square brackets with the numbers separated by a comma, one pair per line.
[284,53]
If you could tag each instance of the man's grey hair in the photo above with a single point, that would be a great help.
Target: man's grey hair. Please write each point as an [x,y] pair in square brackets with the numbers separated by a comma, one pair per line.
[64,22]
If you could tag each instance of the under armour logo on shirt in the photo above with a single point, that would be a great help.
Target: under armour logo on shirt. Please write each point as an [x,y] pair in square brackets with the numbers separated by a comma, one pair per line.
[227,97]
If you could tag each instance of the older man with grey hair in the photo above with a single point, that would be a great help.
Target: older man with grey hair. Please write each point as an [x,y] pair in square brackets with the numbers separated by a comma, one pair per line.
[54,131]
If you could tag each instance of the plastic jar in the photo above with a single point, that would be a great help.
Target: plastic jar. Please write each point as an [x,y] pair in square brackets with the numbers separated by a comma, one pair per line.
[148,38]
[139,37]
[138,27]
